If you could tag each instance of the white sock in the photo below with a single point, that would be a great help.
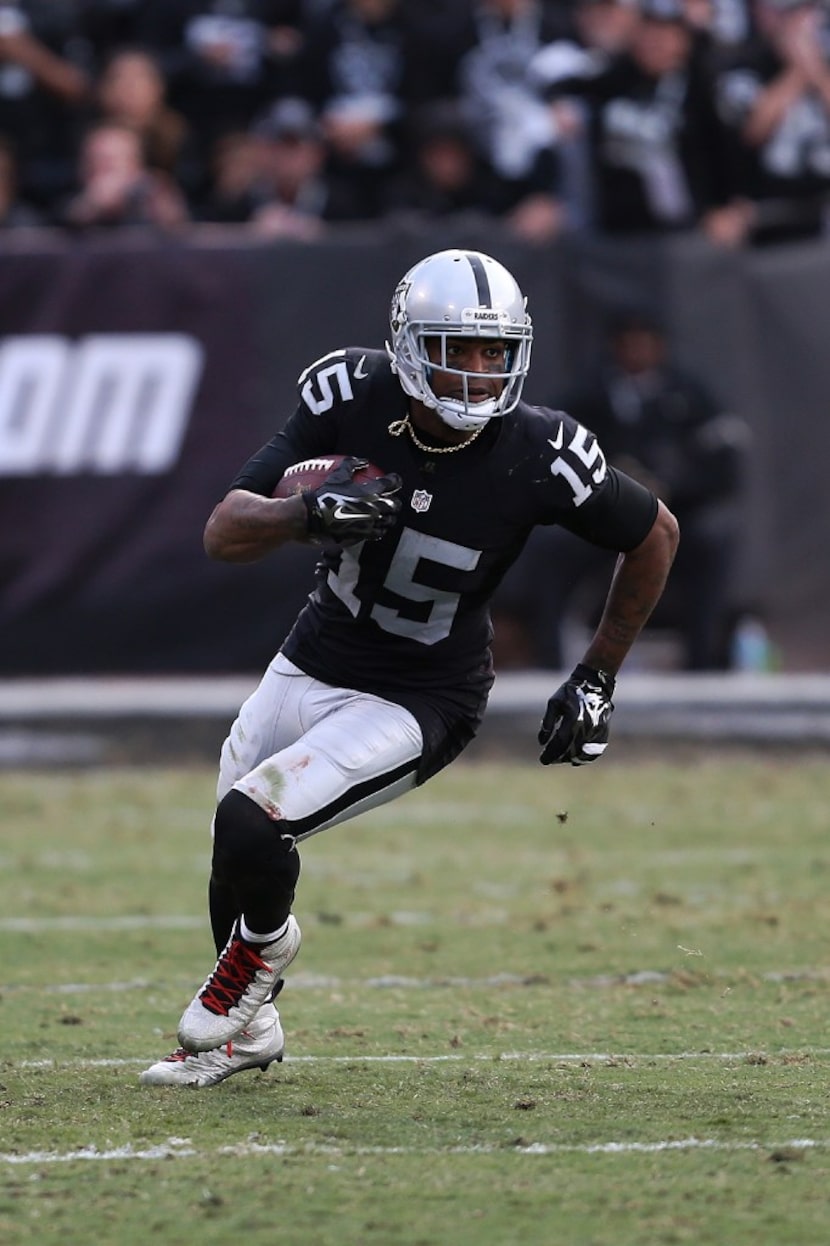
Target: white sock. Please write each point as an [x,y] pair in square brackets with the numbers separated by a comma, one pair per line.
[250,936]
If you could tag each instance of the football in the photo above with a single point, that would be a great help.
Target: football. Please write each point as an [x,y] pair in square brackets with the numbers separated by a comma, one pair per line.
[311,473]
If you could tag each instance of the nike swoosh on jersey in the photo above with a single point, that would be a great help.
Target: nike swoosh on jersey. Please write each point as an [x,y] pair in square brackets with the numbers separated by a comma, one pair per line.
[360,372]
[556,441]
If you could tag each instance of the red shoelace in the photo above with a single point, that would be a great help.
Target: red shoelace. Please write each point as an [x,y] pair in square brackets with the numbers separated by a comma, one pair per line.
[231,978]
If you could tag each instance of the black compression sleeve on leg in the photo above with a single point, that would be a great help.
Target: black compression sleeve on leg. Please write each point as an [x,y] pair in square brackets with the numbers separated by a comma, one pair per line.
[257,859]
[223,911]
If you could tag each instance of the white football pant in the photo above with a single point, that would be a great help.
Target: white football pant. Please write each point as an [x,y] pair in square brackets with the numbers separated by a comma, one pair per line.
[316,755]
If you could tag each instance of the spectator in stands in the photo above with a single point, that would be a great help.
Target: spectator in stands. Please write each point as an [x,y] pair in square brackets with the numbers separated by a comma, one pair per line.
[132,91]
[659,423]
[533,208]
[42,91]
[353,72]
[447,176]
[444,176]
[117,187]
[657,147]
[15,213]
[775,99]
[110,24]
[301,195]
[277,180]
[602,31]
[437,33]
[223,61]
[725,24]
[237,185]
[498,90]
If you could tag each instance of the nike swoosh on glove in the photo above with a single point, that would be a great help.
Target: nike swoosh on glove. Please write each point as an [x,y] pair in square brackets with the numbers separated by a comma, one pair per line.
[576,722]
[348,512]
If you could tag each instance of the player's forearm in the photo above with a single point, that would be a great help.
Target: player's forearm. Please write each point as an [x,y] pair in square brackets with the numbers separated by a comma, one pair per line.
[245,526]
[637,586]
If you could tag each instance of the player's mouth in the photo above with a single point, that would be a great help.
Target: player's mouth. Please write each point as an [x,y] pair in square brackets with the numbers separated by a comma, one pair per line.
[475,393]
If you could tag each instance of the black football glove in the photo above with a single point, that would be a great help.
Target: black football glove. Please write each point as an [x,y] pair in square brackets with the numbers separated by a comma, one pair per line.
[347,512]
[575,725]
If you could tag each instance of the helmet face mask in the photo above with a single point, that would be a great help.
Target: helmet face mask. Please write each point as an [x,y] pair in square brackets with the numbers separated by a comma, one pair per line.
[459,294]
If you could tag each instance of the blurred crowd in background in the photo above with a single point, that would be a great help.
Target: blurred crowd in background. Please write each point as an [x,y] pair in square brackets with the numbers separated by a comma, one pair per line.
[286,116]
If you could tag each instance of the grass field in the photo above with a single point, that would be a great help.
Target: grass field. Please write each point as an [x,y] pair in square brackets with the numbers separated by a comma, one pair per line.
[533,1006]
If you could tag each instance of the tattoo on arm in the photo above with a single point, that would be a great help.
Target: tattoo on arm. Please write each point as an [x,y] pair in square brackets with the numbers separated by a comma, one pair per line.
[636,587]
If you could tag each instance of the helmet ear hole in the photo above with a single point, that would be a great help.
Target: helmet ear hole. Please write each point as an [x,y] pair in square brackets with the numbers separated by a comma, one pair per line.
[459,294]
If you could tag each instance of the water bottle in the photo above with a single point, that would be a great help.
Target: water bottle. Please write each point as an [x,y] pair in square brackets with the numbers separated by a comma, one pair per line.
[751,649]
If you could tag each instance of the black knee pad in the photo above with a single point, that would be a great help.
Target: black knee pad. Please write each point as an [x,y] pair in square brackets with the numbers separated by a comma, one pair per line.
[250,848]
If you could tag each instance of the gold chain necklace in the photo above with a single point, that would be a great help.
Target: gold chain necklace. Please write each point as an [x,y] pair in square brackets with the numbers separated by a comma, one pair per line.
[398,427]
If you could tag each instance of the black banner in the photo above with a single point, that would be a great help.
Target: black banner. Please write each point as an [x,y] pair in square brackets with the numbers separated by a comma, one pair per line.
[130,392]
[136,376]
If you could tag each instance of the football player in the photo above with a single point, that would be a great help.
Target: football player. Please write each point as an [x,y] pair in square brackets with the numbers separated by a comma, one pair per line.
[385,676]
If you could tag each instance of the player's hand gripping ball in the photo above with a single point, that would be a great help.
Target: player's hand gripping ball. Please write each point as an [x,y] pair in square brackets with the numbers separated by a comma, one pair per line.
[348,499]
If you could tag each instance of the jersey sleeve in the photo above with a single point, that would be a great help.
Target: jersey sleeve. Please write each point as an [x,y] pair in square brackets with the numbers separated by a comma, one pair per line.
[582,492]
[312,429]
[617,517]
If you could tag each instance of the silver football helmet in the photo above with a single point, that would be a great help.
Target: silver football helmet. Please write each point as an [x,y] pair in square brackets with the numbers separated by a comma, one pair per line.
[459,294]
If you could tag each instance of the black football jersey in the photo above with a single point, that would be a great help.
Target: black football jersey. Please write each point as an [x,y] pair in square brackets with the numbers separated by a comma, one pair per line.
[407,617]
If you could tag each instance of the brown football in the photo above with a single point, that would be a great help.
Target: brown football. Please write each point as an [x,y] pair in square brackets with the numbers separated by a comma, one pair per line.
[311,473]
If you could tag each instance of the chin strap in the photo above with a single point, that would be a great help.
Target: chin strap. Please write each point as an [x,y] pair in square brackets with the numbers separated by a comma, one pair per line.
[398,427]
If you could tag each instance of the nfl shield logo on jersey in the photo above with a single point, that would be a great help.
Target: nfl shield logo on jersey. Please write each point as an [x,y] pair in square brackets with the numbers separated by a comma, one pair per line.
[421,501]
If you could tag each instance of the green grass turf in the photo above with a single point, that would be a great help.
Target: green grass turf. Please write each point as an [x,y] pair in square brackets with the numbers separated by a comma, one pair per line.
[532,1006]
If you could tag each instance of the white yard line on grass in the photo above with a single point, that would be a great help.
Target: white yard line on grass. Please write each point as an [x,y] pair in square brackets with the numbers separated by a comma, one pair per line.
[554,1057]
[172,921]
[136,921]
[402,982]
[182,1148]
